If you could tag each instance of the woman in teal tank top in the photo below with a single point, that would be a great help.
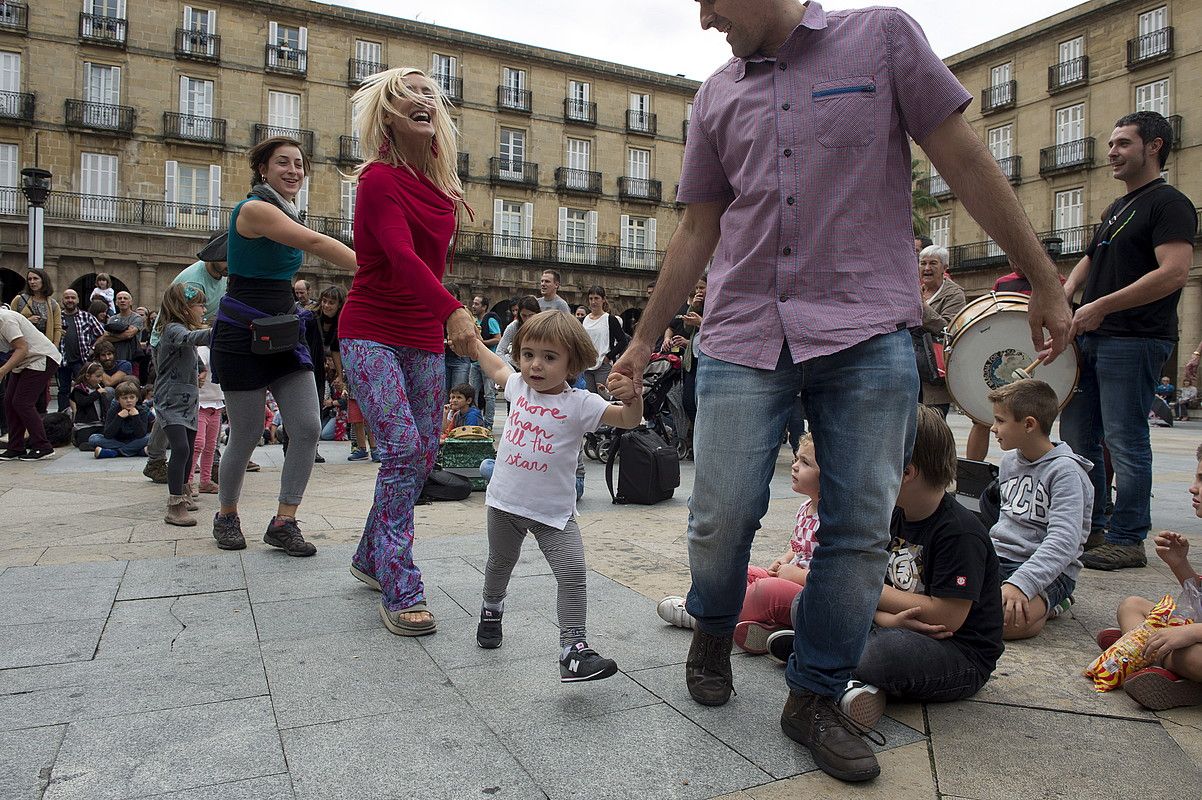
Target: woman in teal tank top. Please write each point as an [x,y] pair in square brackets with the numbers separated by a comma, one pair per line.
[266,246]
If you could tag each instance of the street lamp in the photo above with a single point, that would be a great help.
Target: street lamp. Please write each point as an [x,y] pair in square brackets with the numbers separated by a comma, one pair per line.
[35,183]
[1054,246]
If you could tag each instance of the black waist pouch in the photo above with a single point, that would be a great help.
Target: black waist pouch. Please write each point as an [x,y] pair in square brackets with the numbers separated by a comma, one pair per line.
[274,334]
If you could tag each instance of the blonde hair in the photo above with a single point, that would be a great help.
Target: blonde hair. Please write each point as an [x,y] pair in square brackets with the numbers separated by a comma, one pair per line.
[806,441]
[374,101]
[561,328]
[176,301]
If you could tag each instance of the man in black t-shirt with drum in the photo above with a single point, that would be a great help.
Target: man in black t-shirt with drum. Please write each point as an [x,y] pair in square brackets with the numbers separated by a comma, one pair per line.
[1131,276]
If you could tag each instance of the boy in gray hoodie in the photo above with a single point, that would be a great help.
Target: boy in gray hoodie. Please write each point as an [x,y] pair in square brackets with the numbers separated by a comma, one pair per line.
[1046,506]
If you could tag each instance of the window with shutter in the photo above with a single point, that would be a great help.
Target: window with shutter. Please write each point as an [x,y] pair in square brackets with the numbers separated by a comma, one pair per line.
[8,178]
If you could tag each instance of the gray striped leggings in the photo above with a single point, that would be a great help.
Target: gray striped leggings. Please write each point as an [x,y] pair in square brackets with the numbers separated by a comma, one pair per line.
[564,552]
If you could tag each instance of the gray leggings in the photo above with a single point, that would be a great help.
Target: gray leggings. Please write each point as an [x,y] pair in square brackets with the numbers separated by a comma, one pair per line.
[564,552]
[296,396]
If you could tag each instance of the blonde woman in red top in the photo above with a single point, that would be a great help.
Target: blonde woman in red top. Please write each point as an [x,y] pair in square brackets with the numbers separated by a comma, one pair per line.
[392,328]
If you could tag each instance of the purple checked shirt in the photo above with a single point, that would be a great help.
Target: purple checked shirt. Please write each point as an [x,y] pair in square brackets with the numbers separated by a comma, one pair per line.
[811,150]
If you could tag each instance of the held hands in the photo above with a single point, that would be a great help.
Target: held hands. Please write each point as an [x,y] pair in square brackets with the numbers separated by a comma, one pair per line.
[629,366]
[622,388]
[1049,309]
[909,620]
[462,332]
[1015,606]
[1172,547]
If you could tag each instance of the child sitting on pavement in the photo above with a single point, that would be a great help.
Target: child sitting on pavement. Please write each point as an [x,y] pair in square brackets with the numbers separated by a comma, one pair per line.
[460,409]
[1176,652]
[768,603]
[1046,503]
[124,426]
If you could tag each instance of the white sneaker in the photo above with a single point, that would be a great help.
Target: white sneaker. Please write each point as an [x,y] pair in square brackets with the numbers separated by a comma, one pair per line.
[672,611]
[864,703]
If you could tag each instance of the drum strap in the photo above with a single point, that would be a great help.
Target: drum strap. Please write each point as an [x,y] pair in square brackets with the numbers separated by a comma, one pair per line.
[1110,220]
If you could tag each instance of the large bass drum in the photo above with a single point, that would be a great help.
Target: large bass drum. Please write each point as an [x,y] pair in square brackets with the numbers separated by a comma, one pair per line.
[988,341]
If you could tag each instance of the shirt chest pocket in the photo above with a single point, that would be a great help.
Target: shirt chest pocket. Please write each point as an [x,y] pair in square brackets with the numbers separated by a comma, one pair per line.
[845,111]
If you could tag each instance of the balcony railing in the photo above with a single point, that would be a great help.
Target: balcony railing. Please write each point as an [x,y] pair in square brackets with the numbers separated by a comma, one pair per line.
[577,180]
[120,211]
[1067,74]
[17,106]
[1175,124]
[463,165]
[979,255]
[1066,157]
[101,29]
[305,137]
[100,116]
[340,228]
[553,251]
[1012,168]
[640,189]
[508,170]
[197,45]
[511,99]
[358,70]
[581,112]
[997,98]
[1150,48]
[285,60]
[640,122]
[190,128]
[14,16]
[935,186]
[451,86]
[349,152]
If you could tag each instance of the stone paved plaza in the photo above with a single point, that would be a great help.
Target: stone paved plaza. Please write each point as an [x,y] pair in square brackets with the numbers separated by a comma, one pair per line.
[137,660]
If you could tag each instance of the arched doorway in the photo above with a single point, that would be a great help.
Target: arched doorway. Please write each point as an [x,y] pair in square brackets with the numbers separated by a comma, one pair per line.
[11,283]
[84,285]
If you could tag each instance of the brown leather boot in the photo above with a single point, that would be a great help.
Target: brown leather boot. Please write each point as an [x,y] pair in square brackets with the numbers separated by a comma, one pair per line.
[177,512]
[833,740]
[707,671]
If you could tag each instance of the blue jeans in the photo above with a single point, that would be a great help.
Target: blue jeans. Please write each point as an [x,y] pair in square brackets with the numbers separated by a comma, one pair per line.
[131,448]
[861,404]
[459,370]
[1113,398]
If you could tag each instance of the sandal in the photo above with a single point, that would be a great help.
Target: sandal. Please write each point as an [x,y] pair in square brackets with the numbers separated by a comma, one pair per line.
[397,624]
[367,579]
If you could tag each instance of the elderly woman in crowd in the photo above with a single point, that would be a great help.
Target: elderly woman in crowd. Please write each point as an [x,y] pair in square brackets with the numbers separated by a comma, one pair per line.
[942,301]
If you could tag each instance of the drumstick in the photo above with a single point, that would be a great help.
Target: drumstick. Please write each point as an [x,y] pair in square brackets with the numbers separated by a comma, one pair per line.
[1020,374]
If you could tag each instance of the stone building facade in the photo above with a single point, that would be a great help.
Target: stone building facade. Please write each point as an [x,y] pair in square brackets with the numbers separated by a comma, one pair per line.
[1047,98]
[144,110]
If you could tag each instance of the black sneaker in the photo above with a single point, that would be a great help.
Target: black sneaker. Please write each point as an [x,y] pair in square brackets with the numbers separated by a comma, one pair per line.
[488,632]
[11,455]
[287,536]
[583,663]
[318,459]
[780,646]
[36,455]
[227,530]
[832,738]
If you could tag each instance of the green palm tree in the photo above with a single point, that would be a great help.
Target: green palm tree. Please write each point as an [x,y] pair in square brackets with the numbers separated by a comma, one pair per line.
[920,201]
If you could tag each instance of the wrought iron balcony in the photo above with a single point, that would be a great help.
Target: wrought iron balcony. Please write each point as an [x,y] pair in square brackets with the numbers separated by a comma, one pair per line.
[936,187]
[349,152]
[577,180]
[509,170]
[305,137]
[197,45]
[100,117]
[1068,243]
[580,112]
[1066,157]
[463,165]
[16,106]
[1012,168]
[1068,74]
[340,228]
[511,99]
[1073,241]
[120,211]
[997,98]
[358,70]
[190,128]
[640,122]
[285,60]
[640,189]
[14,16]
[102,29]
[451,86]
[1175,124]
[1150,48]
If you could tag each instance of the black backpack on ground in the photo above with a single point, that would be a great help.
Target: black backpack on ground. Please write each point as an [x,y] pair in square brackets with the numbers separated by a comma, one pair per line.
[443,485]
[650,468]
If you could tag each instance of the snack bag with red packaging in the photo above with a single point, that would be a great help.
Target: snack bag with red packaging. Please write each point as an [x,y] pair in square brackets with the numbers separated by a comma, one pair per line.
[1127,655]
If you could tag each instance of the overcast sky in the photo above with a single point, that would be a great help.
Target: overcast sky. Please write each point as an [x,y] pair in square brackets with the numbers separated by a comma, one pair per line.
[664,35]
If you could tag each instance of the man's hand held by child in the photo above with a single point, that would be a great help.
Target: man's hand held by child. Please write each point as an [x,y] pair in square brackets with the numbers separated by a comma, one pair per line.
[909,620]
[1015,605]
[1165,640]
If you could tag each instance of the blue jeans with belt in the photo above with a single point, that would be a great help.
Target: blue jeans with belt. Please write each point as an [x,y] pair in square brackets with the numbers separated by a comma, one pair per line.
[861,404]
[1111,404]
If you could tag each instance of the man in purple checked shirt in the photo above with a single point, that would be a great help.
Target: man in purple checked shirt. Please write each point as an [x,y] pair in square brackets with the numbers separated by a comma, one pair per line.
[798,152]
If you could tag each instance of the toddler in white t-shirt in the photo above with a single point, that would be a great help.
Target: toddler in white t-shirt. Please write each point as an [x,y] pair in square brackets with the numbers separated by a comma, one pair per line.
[533,486]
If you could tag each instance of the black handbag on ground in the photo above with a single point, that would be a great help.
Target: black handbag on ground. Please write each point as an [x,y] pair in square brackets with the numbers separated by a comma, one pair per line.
[650,468]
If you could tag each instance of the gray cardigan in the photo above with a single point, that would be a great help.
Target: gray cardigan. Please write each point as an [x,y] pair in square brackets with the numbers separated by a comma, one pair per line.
[176,390]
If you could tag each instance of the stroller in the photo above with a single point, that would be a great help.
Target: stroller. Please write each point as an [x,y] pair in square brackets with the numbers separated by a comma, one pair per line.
[662,374]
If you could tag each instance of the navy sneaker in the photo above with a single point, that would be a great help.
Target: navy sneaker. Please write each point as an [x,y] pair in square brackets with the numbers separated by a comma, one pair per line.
[583,663]
[357,455]
[488,632]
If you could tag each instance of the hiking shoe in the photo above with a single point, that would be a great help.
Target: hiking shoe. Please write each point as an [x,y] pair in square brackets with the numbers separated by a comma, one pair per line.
[11,455]
[365,577]
[488,634]
[752,637]
[780,646]
[1115,556]
[1107,637]
[227,530]
[864,703]
[582,663]
[252,466]
[1097,538]
[156,470]
[36,455]
[357,455]
[832,738]
[707,670]
[672,611]
[287,536]
[1159,689]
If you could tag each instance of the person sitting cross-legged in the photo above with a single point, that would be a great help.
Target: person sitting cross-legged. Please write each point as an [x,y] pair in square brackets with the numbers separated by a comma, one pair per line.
[125,428]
